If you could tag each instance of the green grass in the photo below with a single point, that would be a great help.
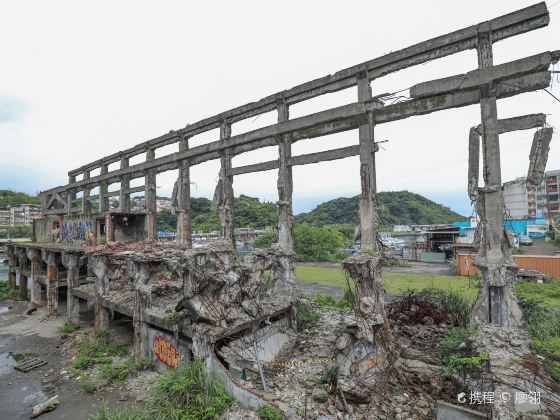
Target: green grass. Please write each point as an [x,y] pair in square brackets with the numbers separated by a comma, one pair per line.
[6,292]
[67,328]
[188,392]
[118,372]
[547,294]
[98,351]
[268,412]
[307,316]
[395,283]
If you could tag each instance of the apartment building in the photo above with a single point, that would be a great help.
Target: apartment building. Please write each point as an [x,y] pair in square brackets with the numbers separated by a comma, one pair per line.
[22,215]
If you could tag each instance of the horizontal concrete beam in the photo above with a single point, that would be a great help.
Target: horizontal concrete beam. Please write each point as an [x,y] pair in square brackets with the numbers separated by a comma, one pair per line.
[475,78]
[523,122]
[352,115]
[511,24]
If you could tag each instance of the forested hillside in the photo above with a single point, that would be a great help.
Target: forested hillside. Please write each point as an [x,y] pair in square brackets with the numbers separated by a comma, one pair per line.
[12,198]
[397,208]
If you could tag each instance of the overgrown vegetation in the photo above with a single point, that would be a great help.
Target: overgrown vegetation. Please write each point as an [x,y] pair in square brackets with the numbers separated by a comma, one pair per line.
[172,315]
[98,351]
[329,302]
[6,292]
[67,328]
[307,315]
[455,362]
[17,232]
[9,198]
[268,412]
[118,372]
[188,392]
[543,324]
[328,376]
[456,337]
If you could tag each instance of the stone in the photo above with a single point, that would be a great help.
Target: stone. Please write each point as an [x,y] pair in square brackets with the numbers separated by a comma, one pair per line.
[319,395]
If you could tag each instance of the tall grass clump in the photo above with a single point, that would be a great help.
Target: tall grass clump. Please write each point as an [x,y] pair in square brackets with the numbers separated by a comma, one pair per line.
[449,302]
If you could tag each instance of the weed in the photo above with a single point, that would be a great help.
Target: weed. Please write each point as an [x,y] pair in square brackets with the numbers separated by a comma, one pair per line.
[118,372]
[330,302]
[98,351]
[105,413]
[173,316]
[87,385]
[52,406]
[6,292]
[457,336]
[307,316]
[455,362]
[268,412]
[67,328]
[328,377]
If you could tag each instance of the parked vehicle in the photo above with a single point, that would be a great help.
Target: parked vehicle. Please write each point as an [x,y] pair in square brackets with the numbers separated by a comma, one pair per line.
[525,240]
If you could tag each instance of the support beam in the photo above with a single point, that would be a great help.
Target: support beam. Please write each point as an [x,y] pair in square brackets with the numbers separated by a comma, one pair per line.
[12,266]
[34,256]
[72,263]
[103,186]
[539,155]
[511,24]
[52,259]
[184,199]
[225,188]
[100,269]
[124,196]
[284,273]
[342,153]
[150,197]
[23,272]
[71,195]
[347,116]
[86,207]
[496,302]
[523,122]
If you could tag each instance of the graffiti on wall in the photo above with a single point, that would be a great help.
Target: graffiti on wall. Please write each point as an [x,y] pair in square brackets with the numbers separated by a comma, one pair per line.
[166,352]
[82,230]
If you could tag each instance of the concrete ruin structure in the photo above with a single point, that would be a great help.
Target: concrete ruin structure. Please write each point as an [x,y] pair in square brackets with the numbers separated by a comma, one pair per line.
[209,304]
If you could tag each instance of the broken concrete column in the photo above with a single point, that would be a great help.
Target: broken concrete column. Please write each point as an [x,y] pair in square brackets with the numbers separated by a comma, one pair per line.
[23,272]
[124,196]
[71,195]
[142,274]
[284,275]
[101,271]
[52,259]
[86,205]
[12,264]
[225,188]
[109,227]
[34,256]
[150,196]
[539,156]
[72,263]
[184,198]
[363,351]
[103,190]
[496,302]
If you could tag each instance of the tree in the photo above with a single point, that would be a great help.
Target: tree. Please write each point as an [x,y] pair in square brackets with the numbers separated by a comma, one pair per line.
[166,221]
[17,232]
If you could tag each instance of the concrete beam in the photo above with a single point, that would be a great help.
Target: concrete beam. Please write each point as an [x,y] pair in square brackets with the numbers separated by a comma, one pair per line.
[539,155]
[515,23]
[352,115]
[523,122]
[476,78]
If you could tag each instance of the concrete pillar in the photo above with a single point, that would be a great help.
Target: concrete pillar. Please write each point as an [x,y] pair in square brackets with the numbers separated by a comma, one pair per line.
[102,315]
[369,218]
[496,302]
[52,259]
[184,198]
[109,227]
[103,190]
[143,302]
[150,196]
[72,263]
[71,195]
[225,205]
[86,207]
[23,272]
[124,198]
[12,264]
[34,256]
[284,272]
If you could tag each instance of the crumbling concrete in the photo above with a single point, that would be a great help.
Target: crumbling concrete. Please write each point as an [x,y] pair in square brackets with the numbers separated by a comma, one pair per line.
[72,263]
[52,259]
[34,256]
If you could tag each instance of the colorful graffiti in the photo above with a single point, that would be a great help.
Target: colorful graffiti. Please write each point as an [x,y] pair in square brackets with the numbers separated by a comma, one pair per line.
[77,230]
[165,352]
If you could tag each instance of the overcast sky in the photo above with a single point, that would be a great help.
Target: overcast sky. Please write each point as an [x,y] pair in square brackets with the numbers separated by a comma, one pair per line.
[81,80]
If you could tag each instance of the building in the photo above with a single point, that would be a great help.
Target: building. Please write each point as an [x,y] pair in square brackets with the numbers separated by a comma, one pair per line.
[552,180]
[19,216]
[525,202]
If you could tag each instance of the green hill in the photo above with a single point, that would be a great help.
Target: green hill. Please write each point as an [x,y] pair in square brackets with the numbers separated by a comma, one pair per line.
[397,208]
[13,198]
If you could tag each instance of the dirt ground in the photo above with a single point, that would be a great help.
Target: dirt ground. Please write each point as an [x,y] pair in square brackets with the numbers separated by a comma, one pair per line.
[23,337]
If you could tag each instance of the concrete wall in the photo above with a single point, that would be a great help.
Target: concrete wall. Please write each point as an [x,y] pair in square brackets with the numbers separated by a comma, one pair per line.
[167,351]
[129,227]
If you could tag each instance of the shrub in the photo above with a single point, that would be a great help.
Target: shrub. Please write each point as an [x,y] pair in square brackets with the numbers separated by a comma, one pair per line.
[307,316]
[328,377]
[68,328]
[455,362]
[457,336]
[6,292]
[267,412]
